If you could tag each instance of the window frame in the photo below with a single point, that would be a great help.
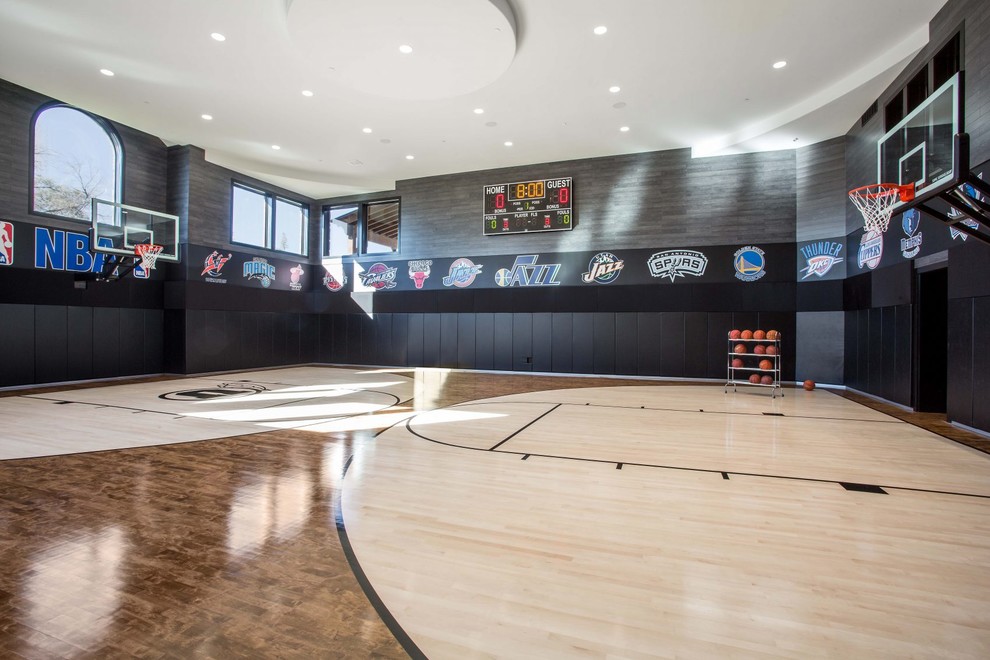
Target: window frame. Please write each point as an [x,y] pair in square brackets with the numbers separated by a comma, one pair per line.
[271,204]
[361,240]
[115,141]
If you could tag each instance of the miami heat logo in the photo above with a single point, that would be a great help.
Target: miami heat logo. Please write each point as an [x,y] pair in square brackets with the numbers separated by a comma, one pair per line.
[214,263]
[295,277]
[419,271]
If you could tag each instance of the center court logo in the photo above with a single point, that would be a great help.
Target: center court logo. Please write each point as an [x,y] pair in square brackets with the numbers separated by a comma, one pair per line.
[603,268]
[677,263]
[749,263]
[462,273]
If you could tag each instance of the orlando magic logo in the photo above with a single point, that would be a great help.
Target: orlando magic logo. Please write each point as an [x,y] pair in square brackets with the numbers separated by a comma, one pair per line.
[603,268]
[259,269]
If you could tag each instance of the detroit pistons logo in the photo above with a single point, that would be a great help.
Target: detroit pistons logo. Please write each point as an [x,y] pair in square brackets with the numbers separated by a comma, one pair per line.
[419,271]
[6,243]
[214,263]
[332,283]
[379,277]
[603,268]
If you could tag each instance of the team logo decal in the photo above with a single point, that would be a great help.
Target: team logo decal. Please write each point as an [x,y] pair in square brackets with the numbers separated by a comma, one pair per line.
[295,277]
[212,266]
[750,263]
[67,250]
[6,243]
[911,245]
[870,249]
[677,263]
[956,215]
[526,272]
[221,391]
[259,269]
[820,257]
[332,283]
[379,276]
[603,268]
[462,273]
[419,271]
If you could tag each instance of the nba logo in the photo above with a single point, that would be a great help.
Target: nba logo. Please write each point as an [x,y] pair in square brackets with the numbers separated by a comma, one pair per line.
[6,243]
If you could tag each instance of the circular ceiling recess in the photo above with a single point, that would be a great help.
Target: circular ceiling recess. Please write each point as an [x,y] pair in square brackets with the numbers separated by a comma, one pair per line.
[458,46]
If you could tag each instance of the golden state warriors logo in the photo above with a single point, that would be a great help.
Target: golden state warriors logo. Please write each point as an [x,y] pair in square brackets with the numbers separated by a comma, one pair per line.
[750,263]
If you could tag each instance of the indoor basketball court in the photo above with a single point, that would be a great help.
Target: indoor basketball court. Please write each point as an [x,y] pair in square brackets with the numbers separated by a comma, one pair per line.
[495,329]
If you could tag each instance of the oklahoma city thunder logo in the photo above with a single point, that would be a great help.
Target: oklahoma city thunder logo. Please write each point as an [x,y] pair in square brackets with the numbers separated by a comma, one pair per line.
[749,263]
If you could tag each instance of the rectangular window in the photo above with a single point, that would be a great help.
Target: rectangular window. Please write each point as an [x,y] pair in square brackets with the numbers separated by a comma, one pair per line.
[341,231]
[356,229]
[267,221]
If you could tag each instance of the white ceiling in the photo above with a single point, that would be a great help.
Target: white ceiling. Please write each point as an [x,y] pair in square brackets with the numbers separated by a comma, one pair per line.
[692,73]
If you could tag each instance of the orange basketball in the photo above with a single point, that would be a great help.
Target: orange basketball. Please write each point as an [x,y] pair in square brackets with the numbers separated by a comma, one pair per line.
[755,379]
[773,334]
[734,334]
[737,363]
[809,385]
[759,334]
[746,334]
[740,348]
[767,380]
[771,350]
[766,365]
[759,349]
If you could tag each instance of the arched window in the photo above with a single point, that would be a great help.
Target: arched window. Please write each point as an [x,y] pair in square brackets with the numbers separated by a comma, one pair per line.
[76,157]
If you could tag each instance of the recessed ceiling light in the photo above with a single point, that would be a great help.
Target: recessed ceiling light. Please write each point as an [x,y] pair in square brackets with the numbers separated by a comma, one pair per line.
[600,30]
[218,37]
[404,49]
[365,130]
[307,92]
[410,157]
[779,65]
[614,89]
[106,72]
[507,143]
[624,129]
[479,111]
[276,147]
[207,117]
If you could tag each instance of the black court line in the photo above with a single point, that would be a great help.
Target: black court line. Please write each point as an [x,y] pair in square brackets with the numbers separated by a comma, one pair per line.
[401,636]
[61,402]
[724,473]
[524,428]
[863,488]
[892,420]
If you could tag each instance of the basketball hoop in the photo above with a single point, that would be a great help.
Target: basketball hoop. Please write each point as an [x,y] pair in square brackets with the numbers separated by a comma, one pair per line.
[148,252]
[876,202]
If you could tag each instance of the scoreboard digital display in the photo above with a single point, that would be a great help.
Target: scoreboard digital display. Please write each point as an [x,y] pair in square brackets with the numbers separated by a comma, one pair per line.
[527,206]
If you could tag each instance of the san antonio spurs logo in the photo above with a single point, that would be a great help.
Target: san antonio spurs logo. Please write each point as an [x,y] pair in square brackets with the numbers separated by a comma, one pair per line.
[221,391]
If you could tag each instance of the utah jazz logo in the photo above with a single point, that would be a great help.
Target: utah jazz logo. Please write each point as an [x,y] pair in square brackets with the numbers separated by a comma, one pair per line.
[526,272]
[749,262]
[462,273]
[603,268]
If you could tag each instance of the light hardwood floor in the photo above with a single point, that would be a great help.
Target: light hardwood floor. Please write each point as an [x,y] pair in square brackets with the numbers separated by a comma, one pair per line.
[491,519]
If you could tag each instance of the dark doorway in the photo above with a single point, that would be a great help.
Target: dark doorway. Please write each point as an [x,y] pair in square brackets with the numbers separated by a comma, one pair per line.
[932,349]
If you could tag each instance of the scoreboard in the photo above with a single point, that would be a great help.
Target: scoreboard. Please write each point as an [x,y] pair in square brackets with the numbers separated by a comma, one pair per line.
[526,206]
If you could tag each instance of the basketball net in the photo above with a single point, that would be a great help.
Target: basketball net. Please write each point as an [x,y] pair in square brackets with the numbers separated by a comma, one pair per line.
[876,202]
[149,254]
